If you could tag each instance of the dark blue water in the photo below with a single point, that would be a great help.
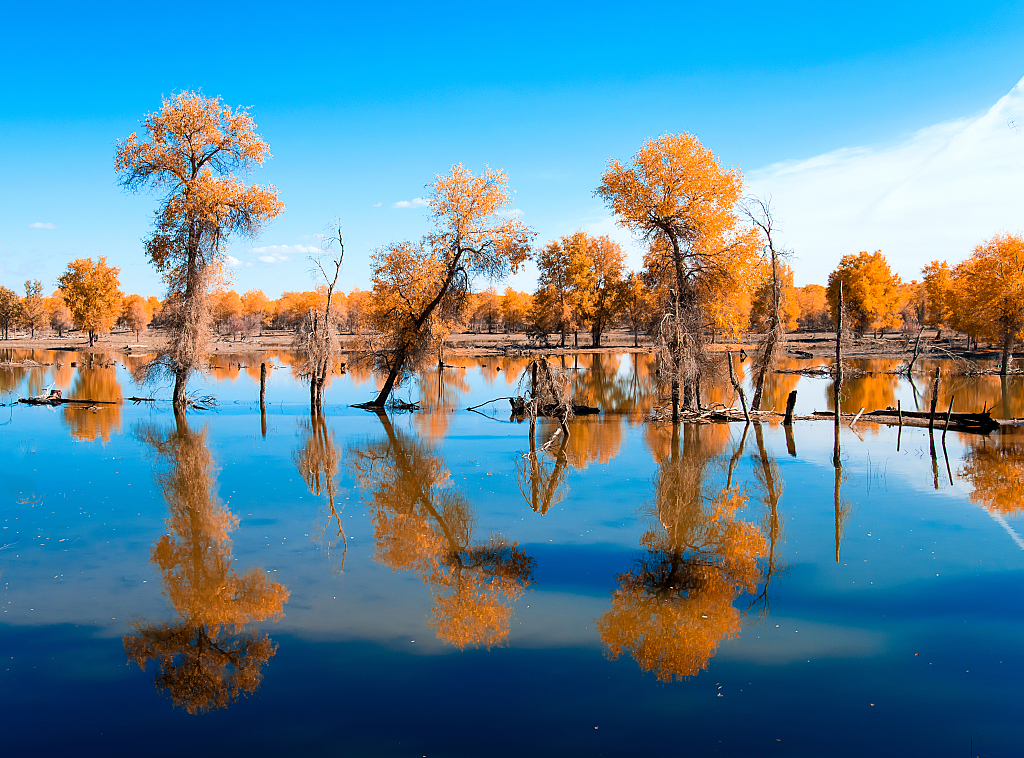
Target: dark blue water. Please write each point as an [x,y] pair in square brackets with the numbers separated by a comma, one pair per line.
[447,617]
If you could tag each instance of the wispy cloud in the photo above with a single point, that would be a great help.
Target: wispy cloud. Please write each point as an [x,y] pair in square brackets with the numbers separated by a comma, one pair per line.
[233,262]
[936,194]
[281,253]
[377,205]
[416,202]
[42,225]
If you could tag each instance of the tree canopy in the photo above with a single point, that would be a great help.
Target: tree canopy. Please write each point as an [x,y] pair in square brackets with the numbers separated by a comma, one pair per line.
[190,149]
[92,293]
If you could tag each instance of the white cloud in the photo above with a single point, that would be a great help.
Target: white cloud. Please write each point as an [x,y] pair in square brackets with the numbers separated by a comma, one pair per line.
[282,253]
[416,202]
[285,249]
[377,205]
[935,195]
[42,225]
[233,262]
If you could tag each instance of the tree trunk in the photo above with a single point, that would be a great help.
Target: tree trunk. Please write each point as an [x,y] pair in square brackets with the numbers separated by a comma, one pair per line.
[389,383]
[180,399]
[1007,347]
[92,336]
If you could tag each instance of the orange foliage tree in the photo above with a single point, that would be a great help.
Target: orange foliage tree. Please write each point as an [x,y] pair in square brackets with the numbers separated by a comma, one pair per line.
[135,313]
[59,314]
[10,310]
[192,146]
[938,292]
[33,307]
[812,302]
[677,197]
[871,292]
[91,293]
[420,290]
[990,286]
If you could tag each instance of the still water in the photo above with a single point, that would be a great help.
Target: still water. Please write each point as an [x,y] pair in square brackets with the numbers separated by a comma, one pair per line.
[422,584]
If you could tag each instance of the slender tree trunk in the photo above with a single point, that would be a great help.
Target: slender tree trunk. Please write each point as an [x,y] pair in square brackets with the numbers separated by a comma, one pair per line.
[180,399]
[389,383]
[1007,347]
[838,390]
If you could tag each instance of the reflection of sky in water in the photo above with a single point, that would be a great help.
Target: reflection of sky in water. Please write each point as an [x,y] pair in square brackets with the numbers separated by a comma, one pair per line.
[921,616]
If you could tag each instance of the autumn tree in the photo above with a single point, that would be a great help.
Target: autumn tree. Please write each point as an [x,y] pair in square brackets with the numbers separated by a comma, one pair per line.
[487,308]
[227,311]
[871,292]
[515,309]
[637,304]
[991,281]
[938,291]
[255,309]
[419,290]
[33,307]
[59,314]
[191,148]
[561,266]
[10,310]
[679,199]
[135,314]
[91,292]
[812,301]
[598,303]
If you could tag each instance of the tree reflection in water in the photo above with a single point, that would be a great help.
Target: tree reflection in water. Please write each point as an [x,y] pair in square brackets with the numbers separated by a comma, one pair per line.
[317,460]
[671,611]
[423,524]
[542,472]
[995,470]
[204,660]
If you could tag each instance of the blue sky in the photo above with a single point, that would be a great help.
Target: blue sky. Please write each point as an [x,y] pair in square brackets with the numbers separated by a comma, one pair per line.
[364,105]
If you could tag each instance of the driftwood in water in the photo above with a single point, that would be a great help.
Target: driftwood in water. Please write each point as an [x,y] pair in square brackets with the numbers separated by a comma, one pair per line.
[976,423]
[64,401]
[519,408]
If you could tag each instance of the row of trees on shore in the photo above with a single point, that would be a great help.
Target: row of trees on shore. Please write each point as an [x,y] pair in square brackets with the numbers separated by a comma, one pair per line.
[712,265]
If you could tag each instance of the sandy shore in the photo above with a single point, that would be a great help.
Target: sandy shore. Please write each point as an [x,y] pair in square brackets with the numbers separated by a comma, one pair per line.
[799,344]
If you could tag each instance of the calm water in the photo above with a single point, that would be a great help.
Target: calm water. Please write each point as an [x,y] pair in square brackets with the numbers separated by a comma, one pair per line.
[421,585]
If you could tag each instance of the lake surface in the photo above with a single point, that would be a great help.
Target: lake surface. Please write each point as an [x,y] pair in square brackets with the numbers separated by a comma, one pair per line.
[421,584]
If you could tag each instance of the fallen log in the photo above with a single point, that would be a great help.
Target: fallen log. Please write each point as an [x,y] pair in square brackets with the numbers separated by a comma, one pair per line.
[66,400]
[974,423]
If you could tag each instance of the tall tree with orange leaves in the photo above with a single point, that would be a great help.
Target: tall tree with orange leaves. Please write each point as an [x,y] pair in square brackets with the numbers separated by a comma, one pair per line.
[420,290]
[990,286]
[678,198]
[191,148]
[92,292]
[938,296]
[871,292]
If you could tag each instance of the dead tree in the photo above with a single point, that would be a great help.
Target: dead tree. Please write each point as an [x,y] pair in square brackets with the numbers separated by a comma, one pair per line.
[315,339]
[759,212]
